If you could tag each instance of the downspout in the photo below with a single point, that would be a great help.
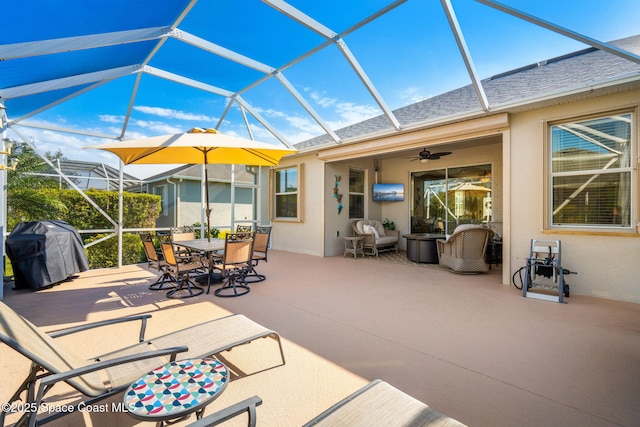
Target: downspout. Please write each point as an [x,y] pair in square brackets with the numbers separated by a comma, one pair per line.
[257,205]
[175,202]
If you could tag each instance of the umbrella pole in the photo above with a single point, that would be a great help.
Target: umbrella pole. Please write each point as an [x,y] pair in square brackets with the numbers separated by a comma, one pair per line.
[206,192]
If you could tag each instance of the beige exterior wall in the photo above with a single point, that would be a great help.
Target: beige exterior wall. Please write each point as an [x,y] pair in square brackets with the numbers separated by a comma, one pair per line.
[607,264]
[305,236]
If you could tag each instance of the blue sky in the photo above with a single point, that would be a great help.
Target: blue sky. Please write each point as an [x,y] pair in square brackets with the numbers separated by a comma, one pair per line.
[408,53]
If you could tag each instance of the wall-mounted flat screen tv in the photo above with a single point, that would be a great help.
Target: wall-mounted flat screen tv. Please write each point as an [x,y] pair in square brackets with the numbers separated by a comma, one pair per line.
[388,192]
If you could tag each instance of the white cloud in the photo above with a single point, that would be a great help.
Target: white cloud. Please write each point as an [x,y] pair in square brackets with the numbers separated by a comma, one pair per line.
[322,100]
[411,94]
[157,127]
[353,113]
[174,114]
[109,118]
[348,112]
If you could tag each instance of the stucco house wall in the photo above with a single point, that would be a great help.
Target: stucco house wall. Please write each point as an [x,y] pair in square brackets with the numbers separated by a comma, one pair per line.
[606,263]
[306,235]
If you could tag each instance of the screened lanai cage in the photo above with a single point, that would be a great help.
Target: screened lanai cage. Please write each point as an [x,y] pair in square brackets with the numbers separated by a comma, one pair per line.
[286,73]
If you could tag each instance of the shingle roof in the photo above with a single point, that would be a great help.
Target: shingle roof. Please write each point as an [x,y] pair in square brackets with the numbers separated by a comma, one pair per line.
[526,84]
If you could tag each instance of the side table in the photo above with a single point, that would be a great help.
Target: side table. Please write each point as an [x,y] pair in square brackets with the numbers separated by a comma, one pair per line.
[353,245]
[175,390]
[494,253]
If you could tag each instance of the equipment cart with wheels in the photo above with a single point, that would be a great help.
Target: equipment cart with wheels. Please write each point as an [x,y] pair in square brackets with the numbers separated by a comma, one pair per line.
[544,277]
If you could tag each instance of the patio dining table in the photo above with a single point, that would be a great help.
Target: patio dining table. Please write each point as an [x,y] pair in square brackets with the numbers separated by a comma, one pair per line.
[210,247]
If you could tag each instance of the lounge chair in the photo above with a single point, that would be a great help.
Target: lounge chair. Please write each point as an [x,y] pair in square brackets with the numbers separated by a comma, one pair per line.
[53,363]
[380,404]
[247,405]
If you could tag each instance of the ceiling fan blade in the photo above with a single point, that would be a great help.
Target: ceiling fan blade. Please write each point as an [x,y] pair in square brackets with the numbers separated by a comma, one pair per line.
[440,154]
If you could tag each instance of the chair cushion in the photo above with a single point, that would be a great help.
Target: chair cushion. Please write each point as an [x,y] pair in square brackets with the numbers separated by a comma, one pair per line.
[386,240]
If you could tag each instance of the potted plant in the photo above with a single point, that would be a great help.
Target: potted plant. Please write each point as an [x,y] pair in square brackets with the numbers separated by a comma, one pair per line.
[388,224]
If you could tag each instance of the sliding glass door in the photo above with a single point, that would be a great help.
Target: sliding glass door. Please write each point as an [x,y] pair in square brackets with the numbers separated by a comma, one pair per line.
[442,199]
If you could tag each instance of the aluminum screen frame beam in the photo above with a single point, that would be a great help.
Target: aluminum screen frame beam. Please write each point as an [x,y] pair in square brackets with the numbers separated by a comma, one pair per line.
[464,51]
[561,30]
[303,19]
[258,66]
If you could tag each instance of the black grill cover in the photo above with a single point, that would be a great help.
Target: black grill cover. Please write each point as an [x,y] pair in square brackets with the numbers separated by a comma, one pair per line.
[44,253]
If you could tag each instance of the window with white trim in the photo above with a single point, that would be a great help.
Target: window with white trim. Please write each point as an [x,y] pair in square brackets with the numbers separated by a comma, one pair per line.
[286,190]
[591,181]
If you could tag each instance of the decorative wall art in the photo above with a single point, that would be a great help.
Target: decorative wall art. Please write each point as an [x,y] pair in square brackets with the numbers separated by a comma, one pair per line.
[336,192]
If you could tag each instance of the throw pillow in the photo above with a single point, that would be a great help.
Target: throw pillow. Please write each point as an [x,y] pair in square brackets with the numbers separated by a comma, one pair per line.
[370,229]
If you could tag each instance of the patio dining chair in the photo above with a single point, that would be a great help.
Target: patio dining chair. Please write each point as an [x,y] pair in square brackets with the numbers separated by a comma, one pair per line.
[183,233]
[104,375]
[181,268]
[260,248]
[235,265]
[243,228]
[156,261]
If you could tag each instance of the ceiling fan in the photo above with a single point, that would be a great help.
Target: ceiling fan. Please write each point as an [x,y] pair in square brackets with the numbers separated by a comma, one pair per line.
[425,155]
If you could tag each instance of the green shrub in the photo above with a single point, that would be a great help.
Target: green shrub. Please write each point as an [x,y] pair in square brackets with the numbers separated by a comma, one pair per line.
[139,211]
[213,232]
[105,254]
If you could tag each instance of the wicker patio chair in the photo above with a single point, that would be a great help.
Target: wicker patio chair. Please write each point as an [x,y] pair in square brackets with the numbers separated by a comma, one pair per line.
[464,251]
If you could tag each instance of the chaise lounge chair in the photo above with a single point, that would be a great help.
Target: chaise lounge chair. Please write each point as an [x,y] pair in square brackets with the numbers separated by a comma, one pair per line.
[381,404]
[53,363]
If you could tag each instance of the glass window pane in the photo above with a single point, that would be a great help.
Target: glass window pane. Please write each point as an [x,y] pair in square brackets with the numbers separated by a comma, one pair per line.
[599,199]
[356,206]
[287,180]
[286,206]
[602,143]
[443,199]
[468,196]
[356,181]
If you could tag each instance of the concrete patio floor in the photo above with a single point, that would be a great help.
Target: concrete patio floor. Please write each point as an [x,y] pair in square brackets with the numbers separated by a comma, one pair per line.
[466,345]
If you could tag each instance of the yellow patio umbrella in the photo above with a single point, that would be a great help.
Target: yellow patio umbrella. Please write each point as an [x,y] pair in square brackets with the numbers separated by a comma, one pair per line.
[197,146]
[470,189]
